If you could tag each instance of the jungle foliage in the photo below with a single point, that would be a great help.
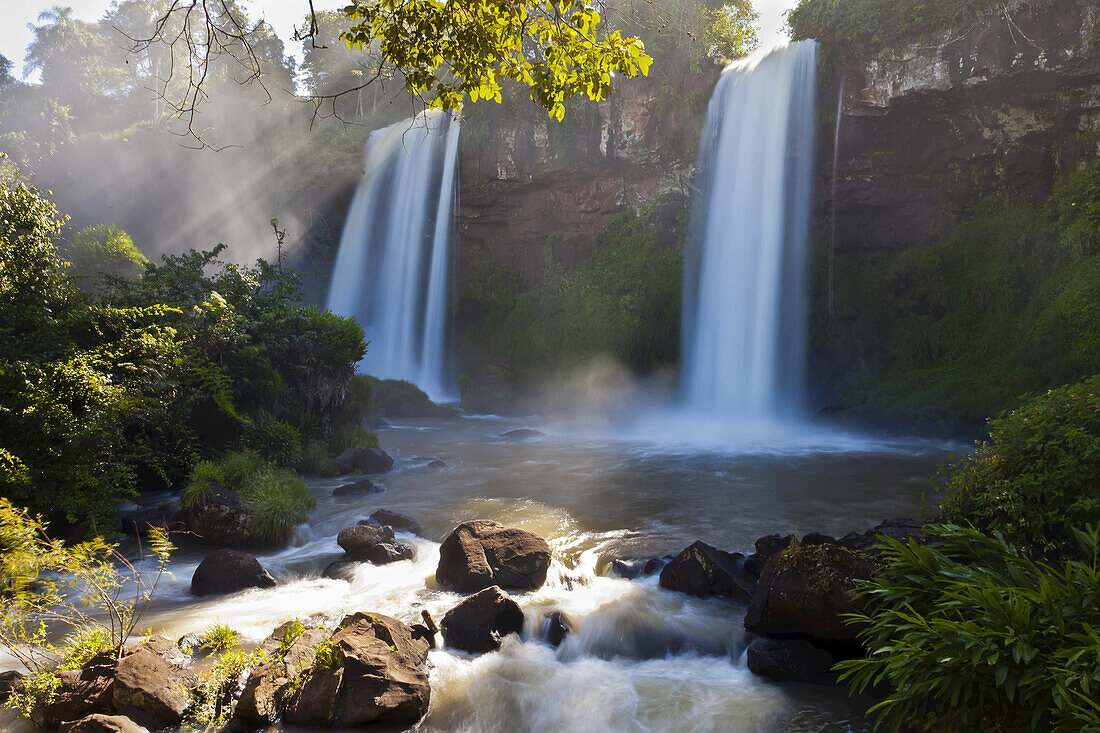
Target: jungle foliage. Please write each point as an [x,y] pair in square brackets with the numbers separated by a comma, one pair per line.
[865,27]
[954,330]
[104,392]
[968,632]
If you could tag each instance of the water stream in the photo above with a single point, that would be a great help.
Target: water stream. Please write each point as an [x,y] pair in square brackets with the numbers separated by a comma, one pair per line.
[640,658]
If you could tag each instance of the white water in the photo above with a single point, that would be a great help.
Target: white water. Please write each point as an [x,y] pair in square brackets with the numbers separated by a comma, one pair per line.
[392,269]
[744,321]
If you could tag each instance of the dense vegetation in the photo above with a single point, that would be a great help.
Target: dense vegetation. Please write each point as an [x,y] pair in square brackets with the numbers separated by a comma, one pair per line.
[623,302]
[126,386]
[957,329]
[864,27]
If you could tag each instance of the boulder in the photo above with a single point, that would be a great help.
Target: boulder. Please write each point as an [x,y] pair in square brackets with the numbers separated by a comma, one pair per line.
[170,518]
[83,691]
[228,571]
[221,518]
[437,464]
[482,553]
[379,678]
[362,487]
[150,689]
[555,627]
[785,660]
[398,521]
[805,592]
[366,460]
[100,723]
[367,543]
[702,570]
[10,681]
[480,622]
[259,702]
[341,570]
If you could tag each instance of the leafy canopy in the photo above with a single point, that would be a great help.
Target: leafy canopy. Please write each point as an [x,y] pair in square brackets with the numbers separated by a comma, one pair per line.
[454,50]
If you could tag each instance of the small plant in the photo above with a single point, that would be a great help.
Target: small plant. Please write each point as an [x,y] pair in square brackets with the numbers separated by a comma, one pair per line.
[970,633]
[219,638]
[293,630]
[89,595]
[326,656]
[212,698]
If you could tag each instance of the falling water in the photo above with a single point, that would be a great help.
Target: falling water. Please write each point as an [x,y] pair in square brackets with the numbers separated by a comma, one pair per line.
[392,269]
[744,303]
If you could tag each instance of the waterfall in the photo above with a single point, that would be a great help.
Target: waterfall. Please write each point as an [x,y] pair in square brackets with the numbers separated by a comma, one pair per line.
[392,271]
[744,322]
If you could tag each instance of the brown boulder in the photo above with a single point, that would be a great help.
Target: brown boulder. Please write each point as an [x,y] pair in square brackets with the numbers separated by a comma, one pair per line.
[367,460]
[221,518]
[368,543]
[228,571]
[83,691]
[482,553]
[149,689]
[480,622]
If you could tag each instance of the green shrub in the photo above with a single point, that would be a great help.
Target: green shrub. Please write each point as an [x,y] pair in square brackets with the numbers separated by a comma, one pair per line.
[316,460]
[280,501]
[278,498]
[398,398]
[274,440]
[357,401]
[293,630]
[219,638]
[104,249]
[1037,478]
[214,694]
[352,436]
[968,633]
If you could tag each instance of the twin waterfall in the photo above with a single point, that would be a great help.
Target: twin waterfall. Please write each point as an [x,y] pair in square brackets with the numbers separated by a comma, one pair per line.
[744,318]
[393,268]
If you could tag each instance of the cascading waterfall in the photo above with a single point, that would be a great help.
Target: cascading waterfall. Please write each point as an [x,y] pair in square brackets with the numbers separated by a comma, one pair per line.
[392,271]
[744,322]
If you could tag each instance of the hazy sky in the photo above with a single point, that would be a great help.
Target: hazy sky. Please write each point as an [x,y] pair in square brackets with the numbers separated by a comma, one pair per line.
[282,14]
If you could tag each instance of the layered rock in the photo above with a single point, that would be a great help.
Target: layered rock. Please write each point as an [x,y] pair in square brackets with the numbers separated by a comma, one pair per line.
[482,553]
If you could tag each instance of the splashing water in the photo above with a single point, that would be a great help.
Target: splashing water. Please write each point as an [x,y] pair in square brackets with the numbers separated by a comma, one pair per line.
[744,303]
[392,269]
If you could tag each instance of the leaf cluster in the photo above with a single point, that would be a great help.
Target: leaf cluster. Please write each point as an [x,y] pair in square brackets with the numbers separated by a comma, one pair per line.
[970,633]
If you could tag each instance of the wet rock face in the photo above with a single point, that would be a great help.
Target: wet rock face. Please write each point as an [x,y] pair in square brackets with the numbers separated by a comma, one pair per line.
[483,553]
[480,622]
[362,487]
[784,660]
[228,571]
[385,517]
[702,570]
[368,543]
[927,131]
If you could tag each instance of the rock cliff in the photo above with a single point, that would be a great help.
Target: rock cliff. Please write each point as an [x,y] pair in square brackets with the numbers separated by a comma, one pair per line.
[1003,106]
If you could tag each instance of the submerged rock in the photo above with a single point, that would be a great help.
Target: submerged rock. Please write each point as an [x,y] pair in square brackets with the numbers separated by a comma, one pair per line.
[785,660]
[702,570]
[555,627]
[806,590]
[362,487]
[397,521]
[369,543]
[482,553]
[367,460]
[221,518]
[228,571]
[522,434]
[100,723]
[632,569]
[480,622]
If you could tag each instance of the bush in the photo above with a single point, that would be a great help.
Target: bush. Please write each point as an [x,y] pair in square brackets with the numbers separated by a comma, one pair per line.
[104,249]
[278,498]
[357,401]
[969,633]
[274,440]
[352,436]
[317,461]
[1037,478]
[398,398]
